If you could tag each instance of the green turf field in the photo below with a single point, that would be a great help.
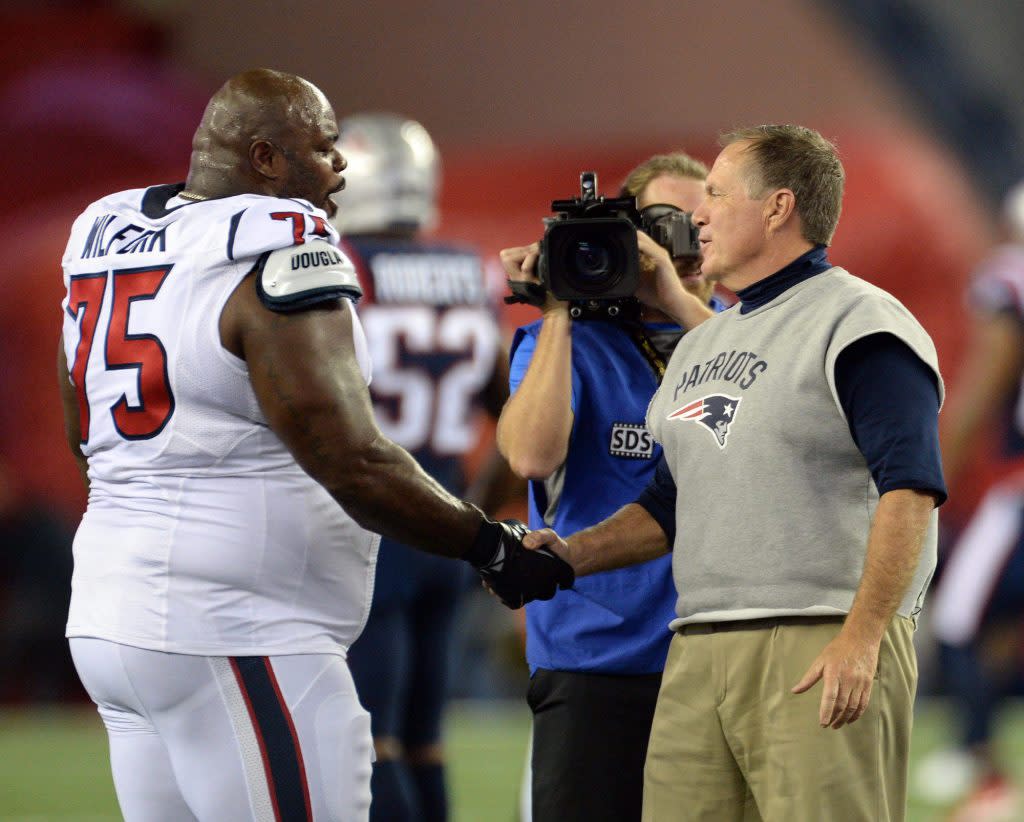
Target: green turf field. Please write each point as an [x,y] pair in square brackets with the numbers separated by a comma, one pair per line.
[53,763]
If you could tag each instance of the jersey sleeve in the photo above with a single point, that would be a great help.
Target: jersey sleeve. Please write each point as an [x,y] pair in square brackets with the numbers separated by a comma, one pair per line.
[266,224]
[524,343]
[659,499]
[880,313]
[523,346]
[890,398]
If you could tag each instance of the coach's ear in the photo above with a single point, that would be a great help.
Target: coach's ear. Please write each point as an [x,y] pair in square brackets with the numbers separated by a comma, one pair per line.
[267,159]
[779,207]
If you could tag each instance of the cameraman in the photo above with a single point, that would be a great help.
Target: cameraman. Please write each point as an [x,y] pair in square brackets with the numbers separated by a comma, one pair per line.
[574,427]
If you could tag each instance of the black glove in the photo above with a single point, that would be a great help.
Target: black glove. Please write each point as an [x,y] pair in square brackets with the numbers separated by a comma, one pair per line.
[516,574]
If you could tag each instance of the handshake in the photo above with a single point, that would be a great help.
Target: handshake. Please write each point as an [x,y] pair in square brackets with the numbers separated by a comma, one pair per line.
[517,575]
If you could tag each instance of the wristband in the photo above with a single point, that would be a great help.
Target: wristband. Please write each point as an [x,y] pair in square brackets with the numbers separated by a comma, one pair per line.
[486,545]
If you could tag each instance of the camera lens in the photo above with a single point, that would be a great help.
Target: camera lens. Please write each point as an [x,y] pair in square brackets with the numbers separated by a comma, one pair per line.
[591,260]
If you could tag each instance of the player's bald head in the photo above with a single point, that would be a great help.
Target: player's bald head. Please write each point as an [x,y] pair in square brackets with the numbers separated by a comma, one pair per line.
[259,105]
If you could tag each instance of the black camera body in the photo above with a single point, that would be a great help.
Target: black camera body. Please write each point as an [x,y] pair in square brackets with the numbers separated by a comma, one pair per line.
[589,256]
[672,229]
[589,250]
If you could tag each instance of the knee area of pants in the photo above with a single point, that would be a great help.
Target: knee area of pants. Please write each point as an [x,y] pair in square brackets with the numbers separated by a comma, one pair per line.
[363,758]
[345,753]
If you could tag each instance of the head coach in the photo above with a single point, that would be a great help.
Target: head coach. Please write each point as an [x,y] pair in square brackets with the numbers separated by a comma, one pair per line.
[800,427]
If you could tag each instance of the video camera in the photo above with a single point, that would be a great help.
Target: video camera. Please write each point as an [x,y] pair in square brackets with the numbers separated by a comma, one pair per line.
[589,255]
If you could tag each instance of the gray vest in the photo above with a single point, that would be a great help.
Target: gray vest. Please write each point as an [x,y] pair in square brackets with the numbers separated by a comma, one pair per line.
[774,499]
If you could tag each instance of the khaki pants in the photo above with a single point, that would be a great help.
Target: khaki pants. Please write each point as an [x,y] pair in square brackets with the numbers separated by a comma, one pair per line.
[730,743]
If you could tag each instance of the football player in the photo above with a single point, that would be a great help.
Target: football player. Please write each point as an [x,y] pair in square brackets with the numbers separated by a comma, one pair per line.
[213,375]
[978,598]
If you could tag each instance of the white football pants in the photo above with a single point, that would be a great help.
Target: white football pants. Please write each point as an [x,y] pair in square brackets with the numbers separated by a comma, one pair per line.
[280,738]
[976,563]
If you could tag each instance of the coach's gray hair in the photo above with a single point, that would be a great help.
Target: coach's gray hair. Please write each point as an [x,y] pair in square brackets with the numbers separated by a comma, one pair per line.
[800,159]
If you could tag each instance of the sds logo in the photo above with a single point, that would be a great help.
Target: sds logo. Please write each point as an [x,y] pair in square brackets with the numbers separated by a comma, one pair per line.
[631,440]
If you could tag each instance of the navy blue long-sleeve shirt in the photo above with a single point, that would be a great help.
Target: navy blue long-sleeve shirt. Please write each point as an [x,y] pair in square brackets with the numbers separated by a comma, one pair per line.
[890,398]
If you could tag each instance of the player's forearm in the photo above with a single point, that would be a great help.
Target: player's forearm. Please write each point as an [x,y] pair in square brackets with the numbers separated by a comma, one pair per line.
[380,485]
[628,537]
[894,550]
[385,490]
[305,373]
[534,427]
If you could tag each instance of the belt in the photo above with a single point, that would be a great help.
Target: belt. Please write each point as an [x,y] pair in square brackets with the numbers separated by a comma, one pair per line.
[758,624]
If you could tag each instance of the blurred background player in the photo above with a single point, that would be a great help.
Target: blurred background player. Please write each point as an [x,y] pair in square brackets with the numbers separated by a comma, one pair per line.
[978,606]
[432,330]
[575,429]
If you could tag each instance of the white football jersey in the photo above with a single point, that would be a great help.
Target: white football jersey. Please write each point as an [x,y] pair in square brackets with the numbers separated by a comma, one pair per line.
[202,535]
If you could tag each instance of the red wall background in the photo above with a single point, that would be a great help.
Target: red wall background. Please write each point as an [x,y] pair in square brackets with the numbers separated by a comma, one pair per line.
[90,107]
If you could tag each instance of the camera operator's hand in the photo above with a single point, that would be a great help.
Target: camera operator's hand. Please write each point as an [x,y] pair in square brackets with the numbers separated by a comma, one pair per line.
[520,264]
[661,289]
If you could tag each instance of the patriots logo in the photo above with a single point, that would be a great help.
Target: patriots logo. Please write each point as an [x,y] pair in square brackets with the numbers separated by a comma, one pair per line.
[715,412]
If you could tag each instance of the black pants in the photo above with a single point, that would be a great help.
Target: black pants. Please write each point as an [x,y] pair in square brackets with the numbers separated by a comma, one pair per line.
[590,735]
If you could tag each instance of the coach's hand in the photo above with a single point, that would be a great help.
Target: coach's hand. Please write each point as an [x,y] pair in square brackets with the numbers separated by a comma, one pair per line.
[515,575]
[847,668]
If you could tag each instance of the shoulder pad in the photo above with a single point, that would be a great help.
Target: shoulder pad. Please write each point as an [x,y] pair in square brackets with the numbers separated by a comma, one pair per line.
[297,277]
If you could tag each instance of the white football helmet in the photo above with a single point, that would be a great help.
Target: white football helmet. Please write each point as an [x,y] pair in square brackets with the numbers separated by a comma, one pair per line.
[1013,212]
[393,176]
